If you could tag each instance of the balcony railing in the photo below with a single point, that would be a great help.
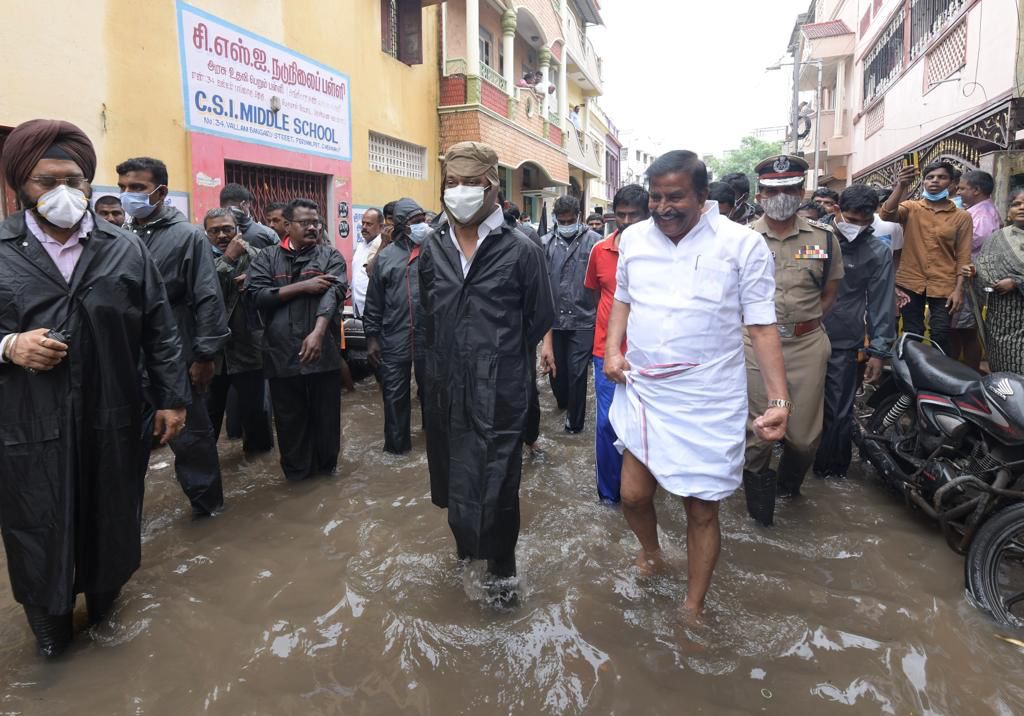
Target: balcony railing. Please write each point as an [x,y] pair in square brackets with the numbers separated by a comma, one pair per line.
[581,150]
[493,77]
[583,50]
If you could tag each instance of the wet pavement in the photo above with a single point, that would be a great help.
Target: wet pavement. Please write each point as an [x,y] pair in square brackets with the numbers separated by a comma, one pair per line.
[343,595]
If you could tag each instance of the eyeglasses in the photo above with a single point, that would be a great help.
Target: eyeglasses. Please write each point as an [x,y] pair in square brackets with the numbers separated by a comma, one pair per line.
[308,223]
[222,231]
[48,182]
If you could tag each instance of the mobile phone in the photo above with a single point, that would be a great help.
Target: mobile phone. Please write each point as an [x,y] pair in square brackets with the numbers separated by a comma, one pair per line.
[912,159]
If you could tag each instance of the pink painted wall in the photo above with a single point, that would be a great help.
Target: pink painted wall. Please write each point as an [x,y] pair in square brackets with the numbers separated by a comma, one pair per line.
[209,153]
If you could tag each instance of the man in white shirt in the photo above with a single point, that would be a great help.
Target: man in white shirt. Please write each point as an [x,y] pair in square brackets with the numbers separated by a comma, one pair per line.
[687,280]
[370,228]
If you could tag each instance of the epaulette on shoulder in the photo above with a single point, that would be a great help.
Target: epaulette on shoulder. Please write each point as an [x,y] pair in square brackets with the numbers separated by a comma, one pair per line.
[819,225]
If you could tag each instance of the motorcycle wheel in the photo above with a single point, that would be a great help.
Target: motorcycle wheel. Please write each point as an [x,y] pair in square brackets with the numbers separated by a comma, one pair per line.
[994,570]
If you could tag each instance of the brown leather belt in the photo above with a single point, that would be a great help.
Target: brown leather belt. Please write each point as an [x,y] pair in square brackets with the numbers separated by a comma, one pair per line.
[795,330]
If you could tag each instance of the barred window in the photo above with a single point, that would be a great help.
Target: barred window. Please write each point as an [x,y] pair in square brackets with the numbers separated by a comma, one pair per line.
[885,60]
[393,156]
[927,20]
[401,30]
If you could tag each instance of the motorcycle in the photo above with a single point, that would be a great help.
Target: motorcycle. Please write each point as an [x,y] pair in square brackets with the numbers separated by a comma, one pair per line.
[952,442]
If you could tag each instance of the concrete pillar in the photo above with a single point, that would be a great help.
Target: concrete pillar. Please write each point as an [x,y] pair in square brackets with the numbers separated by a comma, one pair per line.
[839,96]
[563,93]
[545,66]
[472,51]
[508,48]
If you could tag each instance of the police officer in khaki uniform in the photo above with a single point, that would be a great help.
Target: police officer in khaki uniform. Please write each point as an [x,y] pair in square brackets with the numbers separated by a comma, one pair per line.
[808,271]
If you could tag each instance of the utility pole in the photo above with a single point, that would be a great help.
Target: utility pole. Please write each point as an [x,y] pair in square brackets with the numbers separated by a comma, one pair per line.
[795,117]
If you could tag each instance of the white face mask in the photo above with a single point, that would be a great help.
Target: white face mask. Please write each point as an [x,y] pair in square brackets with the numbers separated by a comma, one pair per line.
[418,232]
[849,231]
[464,202]
[62,206]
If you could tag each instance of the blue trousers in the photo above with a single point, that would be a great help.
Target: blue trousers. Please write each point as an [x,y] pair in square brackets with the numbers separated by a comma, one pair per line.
[608,460]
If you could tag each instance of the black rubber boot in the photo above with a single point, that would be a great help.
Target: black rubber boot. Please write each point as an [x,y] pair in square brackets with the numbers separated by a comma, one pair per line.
[790,477]
[52,632]
[98,605]
[759,488]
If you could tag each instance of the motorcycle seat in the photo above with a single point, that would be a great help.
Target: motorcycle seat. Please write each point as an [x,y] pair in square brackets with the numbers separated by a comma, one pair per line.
[930,369]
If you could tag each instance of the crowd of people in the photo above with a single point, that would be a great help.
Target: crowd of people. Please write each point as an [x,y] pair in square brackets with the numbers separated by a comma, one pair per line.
[716,325]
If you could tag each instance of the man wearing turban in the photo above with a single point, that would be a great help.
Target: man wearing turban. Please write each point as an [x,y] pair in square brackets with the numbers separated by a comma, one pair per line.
[486,303]
[81,306]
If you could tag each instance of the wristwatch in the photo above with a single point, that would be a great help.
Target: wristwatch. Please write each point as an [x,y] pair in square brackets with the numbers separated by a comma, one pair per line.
[780,403]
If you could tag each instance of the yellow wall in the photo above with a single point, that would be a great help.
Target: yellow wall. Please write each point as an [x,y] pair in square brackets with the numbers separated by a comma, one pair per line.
[112,67]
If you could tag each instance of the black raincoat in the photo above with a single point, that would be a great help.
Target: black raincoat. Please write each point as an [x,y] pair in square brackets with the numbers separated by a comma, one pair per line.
[70,485]
[288,324]
[258,235]
[479,335]
[392,299]
[182,253]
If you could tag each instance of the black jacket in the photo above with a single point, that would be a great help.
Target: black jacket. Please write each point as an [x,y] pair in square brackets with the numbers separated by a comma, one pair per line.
[575,306]
[71,481]
[182,253]
[392,301]
[479,335]
[286,325]
[868,287]
[243,351]
[258,235]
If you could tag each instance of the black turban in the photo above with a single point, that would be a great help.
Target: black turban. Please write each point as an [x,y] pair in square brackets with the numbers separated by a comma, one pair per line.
[38,138]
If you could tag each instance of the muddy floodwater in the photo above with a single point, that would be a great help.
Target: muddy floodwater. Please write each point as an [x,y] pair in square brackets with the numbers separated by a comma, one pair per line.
[343,596]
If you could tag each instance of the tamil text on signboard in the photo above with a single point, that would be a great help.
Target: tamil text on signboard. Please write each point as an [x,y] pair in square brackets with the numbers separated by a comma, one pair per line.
[245,87]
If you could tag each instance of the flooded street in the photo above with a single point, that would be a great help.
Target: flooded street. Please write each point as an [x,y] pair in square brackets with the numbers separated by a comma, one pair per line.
[343,595]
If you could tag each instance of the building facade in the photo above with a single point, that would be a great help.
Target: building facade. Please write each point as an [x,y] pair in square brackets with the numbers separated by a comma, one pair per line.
[942,78]
[511,74]
[255,93]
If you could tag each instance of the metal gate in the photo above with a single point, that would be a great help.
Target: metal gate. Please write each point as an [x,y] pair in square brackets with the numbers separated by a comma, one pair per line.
[271,184]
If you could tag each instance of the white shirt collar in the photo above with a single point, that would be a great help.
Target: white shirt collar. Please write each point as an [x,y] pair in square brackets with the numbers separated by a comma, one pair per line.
[493,222]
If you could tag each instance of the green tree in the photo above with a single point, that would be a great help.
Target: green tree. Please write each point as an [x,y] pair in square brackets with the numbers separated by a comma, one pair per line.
[751,151]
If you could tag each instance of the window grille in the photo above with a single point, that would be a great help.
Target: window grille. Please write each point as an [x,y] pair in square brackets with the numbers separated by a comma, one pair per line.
[271,184]
[949,56]
[885,60]
[393,156]
[874,119]
[389,27]
[927,19]
[486,43]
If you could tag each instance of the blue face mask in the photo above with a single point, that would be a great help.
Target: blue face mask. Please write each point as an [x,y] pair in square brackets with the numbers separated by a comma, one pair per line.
[567,232]
[936,197]
[419,232]
[136,204]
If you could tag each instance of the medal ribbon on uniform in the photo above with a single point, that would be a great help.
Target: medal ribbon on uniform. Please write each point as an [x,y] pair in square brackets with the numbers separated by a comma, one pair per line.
[811,251]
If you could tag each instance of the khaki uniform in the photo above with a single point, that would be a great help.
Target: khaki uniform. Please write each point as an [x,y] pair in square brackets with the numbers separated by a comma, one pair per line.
[800,260]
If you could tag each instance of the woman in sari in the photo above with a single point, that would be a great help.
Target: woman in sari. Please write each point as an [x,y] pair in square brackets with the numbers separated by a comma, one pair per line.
[1000,267]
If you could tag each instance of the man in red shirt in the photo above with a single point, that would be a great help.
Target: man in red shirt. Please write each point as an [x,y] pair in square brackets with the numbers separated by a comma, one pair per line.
[630,207]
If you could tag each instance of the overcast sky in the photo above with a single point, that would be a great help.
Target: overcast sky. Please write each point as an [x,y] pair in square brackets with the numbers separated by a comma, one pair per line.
[692,74]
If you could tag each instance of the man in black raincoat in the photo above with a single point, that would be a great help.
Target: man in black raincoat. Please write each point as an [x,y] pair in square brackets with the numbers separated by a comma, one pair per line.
[486,303]
[299,287]
[182,253]
[866,300]
[72,408]
[568,249]
[238,200]
[240,364]
[394,338]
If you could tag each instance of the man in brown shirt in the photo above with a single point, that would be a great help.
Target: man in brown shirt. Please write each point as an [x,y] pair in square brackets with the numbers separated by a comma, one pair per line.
[937,244]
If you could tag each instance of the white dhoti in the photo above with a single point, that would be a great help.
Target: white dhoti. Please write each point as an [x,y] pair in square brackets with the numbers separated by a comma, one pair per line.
[687,424]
